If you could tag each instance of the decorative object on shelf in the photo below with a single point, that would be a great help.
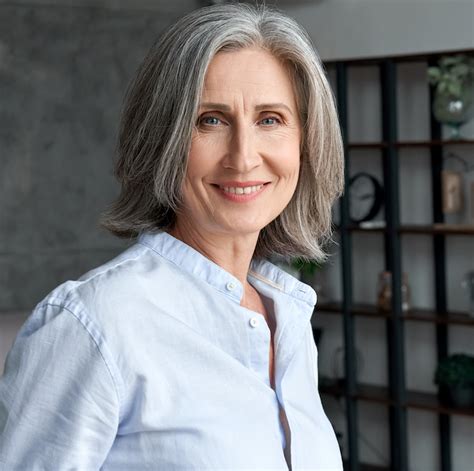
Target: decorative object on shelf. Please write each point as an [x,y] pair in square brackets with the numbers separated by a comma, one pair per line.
[365,197]
[455,377]
[384,292]
[468,283]
[452,191]
[454,94]
[453,182]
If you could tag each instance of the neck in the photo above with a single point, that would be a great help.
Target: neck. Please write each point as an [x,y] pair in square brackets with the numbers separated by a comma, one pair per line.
[232,253]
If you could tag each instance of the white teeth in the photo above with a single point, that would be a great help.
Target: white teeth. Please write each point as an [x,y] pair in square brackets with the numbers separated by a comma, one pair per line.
[242,191]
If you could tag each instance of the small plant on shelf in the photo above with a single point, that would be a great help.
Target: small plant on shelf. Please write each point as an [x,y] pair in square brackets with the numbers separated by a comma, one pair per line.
[307,268]
[453,80]
[455,377]
[452,75]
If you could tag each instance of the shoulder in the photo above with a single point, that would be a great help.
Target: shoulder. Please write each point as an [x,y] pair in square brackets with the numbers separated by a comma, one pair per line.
[110,283]
[105,300]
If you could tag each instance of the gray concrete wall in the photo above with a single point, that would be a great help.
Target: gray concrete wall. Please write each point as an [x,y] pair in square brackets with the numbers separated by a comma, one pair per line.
[163,7]
[63,72]
[343,29]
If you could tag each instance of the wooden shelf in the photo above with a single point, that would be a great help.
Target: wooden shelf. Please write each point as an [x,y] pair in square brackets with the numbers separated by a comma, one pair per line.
[410,144]
[367,145]
[454,229]
[357,228]
[380,394]
[366,310]
[435,143]
[447,229]
[431,402]
[451,317]
[417,315]
[365,392]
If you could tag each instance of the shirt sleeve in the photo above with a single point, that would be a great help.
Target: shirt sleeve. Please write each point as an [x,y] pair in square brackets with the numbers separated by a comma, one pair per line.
[59,402]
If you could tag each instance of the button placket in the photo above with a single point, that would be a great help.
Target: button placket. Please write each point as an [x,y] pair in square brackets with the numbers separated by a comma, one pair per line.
[259,337]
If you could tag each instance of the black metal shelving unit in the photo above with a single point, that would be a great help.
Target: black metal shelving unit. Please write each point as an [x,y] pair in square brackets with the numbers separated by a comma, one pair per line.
[394,395]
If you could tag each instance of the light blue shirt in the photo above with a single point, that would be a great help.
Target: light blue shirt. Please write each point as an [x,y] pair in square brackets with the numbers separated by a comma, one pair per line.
[150,363]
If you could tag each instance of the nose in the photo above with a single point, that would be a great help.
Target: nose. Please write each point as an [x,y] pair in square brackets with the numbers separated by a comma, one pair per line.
[242,155]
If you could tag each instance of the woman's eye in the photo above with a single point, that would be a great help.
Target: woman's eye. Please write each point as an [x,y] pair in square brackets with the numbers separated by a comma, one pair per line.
[210,120]
[270,121]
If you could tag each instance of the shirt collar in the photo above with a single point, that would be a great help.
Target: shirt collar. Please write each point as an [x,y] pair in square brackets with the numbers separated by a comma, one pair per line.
[193,262]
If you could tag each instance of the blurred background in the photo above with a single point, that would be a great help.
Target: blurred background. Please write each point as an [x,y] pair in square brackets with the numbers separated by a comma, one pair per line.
[406,222]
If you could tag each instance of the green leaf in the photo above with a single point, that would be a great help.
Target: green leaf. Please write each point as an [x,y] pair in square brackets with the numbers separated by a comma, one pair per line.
[462,69]
[456,369]
[434,75]
[307,268]
[454,89]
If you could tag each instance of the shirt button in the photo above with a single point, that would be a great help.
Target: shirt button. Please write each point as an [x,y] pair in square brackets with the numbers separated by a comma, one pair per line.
[253,322]
[230,286]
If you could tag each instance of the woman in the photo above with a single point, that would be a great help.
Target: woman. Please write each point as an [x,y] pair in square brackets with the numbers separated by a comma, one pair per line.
[190,350]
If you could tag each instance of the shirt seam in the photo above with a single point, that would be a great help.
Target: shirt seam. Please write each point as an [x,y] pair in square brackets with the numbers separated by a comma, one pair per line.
[107,269]
[267,281]
[117,388]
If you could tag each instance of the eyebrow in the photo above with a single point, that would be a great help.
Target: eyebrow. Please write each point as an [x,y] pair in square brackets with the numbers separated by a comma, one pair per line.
[263,106]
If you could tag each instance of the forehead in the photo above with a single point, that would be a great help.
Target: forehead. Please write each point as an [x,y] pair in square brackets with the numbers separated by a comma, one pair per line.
[253,72]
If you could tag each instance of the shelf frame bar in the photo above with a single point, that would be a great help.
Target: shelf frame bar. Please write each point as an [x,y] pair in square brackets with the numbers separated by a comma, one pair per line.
[346,269]
[395,328]
[439,257]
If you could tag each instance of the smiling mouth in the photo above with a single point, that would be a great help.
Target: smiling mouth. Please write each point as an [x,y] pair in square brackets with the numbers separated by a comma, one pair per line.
[240,190]
[237,190]
[240,193]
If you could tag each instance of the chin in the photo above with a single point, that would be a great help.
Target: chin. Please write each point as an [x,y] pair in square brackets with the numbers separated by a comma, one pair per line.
[243,227]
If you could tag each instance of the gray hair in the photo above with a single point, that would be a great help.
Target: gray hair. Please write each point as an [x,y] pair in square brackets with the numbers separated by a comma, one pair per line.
[161,109]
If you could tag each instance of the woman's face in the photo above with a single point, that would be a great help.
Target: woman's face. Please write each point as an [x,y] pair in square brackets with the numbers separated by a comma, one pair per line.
[245,153]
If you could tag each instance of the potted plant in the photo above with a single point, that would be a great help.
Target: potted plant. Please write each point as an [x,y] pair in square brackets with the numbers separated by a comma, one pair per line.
[455,377]
[453,80]
[306,268]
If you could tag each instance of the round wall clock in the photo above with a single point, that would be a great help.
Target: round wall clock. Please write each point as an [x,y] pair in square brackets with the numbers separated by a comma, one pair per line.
[365,197]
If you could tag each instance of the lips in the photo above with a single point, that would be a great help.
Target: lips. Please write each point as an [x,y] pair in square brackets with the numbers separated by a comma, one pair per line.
[237,184]
[240,191]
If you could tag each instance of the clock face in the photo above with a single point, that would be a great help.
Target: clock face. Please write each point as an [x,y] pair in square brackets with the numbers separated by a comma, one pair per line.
[365,197]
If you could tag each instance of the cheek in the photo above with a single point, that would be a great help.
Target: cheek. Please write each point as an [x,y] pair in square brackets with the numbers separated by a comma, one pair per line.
[198,163]
[285,148]
[287,161]
[203,157]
